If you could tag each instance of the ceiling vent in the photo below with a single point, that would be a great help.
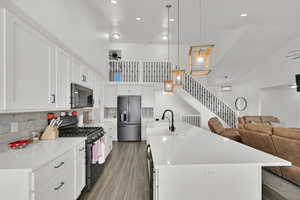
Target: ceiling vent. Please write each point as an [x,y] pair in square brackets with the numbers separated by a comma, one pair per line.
[294,55]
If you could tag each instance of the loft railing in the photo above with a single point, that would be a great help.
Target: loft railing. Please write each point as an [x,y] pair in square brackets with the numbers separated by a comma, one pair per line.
[209,100]
[156,72]
[194,120]
[135,71]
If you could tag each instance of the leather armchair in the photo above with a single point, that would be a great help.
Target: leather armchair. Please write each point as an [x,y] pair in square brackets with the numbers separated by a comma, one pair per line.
[217,127]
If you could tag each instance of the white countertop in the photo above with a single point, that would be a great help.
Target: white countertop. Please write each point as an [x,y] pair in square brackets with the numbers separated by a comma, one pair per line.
[36,155]
[195,146]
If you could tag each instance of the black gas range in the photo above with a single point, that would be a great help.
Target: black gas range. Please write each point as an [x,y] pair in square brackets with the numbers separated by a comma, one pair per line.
[69,128]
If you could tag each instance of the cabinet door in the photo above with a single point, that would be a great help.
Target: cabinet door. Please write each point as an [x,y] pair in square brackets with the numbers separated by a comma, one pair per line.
[2,54]
[129,90]
[63,86]
[30,69]
[86,76]
[76,71]
[80,169]
[110,98]
[148,97]
[98,92]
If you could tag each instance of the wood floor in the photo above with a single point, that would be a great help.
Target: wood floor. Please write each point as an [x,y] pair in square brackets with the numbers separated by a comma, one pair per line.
[125,175]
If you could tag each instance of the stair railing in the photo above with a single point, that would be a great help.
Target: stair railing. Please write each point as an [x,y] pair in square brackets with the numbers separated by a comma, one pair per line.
[194,120]
[209,100]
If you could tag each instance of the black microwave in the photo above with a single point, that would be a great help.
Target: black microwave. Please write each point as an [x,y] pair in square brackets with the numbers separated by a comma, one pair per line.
[81,97]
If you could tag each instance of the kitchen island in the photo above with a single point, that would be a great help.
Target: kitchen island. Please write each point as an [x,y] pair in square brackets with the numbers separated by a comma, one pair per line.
[196,164]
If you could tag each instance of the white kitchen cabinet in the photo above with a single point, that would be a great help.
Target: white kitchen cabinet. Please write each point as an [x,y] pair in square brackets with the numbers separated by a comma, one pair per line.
[110,96]
[80,175]
[30,68]
[148,96]
[108,137]
[2,54]
[45,170]
[86,76]
[129,90]
[98,91]
[63,83]
[75,71]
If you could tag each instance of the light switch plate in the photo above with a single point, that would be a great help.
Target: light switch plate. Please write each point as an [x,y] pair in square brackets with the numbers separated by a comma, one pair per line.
[14,127]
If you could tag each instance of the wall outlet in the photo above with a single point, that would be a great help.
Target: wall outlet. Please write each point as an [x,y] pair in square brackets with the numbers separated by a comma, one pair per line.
[14,127]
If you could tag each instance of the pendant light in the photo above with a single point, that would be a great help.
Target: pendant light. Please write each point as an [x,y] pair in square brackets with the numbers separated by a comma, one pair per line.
[199,56]
[168,84]
[226,87]
[178,74]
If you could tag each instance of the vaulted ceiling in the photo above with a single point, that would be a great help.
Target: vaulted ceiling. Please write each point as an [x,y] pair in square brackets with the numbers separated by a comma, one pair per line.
[241,42]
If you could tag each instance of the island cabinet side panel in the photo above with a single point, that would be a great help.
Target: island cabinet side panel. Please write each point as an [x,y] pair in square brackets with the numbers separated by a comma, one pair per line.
[15,184]
[210,182]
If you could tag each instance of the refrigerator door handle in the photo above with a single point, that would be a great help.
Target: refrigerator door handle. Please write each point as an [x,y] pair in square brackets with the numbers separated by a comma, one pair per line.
[124,117]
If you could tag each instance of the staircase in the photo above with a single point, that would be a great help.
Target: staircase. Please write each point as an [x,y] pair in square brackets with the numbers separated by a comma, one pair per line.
[195,89]
[158,72]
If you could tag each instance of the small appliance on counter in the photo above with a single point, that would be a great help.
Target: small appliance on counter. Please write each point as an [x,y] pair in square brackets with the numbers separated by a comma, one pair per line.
[94,153]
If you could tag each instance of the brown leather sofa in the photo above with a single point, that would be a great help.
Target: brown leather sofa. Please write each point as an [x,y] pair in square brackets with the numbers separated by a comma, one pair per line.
[257,119]
[281,142]
[217,127]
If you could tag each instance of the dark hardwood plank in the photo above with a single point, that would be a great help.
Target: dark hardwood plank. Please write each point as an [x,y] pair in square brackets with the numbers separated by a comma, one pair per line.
[125,175]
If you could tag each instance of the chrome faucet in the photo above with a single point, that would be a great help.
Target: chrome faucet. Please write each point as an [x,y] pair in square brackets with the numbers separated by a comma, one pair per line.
[171,127]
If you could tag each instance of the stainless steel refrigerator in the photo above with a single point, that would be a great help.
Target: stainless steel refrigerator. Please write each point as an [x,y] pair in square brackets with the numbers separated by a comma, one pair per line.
[129,118]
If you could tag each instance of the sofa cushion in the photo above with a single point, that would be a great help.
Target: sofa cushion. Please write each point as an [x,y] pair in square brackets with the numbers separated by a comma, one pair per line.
[287,133]
[250,119]
[263,128]
[270,119]
[215,125]
[232,134]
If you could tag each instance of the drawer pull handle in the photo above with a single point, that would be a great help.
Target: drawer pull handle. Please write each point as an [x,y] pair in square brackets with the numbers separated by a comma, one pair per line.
[58,166]
[82,149]
[60,186]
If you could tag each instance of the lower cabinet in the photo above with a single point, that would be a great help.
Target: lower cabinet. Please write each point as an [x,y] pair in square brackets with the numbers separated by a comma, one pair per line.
[60,179]
[80,168]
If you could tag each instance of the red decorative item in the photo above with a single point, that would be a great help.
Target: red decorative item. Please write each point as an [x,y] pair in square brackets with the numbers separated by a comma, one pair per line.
[19,144]
[74,113]
[50,116]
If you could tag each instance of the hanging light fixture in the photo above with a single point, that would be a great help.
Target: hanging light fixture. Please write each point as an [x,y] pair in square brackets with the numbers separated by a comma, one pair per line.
[226,87]
[168,84]
[178,73]
[199,56]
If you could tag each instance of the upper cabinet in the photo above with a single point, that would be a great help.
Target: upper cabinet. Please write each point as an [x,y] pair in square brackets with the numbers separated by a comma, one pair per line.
[81,74]
[30,68]
[63,79]
[2,54]
[35,72]
[148,96]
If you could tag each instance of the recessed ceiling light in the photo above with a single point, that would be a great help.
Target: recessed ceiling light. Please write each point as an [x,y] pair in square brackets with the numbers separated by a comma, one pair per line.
[164,37]
[244,15]
[138,18]
[113,1]
[172,20]
[116,36]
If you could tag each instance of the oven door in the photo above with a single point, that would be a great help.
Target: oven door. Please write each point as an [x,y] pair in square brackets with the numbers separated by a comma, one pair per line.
[93,170]
[150,170]
[81,97]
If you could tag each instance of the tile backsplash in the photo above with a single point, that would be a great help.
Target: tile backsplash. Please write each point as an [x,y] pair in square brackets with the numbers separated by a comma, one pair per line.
[24,122]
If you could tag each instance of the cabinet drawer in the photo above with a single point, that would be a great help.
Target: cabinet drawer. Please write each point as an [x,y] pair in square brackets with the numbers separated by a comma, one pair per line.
[59,165]
[61,186]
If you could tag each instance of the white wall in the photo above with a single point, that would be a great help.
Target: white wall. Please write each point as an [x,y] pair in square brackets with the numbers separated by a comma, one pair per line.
[74,23]
[171,101]
[282,102]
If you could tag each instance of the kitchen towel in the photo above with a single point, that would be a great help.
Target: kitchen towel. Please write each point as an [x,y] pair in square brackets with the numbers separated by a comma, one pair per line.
[102,151]
[96,152]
